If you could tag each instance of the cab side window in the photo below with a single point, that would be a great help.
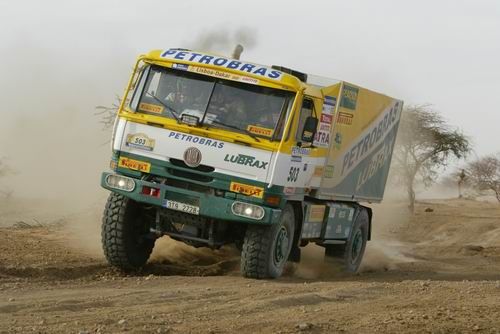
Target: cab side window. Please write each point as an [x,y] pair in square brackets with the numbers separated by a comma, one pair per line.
[306,111]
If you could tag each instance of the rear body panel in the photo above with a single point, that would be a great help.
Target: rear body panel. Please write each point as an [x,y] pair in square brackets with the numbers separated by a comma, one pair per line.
[360,151]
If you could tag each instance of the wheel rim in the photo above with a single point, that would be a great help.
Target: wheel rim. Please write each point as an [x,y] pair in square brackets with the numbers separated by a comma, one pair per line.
[281,248]
[357,245]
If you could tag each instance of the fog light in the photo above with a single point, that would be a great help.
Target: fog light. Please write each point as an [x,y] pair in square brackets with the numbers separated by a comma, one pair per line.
[248,210]
[120,182]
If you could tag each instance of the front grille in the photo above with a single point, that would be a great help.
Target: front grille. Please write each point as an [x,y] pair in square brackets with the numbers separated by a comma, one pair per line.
[180,184]
[190,176]
[200,168]
[189,186]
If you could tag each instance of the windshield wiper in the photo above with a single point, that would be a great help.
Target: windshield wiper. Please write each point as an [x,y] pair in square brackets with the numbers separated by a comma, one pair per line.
[237,128]
[173,112]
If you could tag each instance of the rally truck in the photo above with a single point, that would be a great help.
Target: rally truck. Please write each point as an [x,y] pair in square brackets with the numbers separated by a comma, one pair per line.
[211,151]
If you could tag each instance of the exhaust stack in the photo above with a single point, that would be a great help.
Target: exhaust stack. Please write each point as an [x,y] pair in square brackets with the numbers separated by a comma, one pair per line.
[237,51]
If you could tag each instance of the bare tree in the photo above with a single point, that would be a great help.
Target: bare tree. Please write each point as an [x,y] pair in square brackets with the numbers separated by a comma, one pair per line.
[4,170]
[3,167]
[107,114]
[485,174]
[424,147]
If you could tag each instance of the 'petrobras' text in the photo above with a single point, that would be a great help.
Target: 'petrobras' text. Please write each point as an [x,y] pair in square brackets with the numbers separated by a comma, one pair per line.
[222,62]
[196,140]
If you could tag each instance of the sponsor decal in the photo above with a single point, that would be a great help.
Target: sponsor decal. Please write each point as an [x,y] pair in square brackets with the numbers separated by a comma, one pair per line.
[300,150]
[338,229]
[246,189]
[289,190]
[324,127]
[325,118]
[307,135]
[222,62]
[148,107]
[342,214]
[371,139]
[182,67]
[332,212]
[296,158]
[329,103]
[328,173]
[322,138]
[351,214]
[349,97]
[318,171]
[338,140]
[316,213]
[260,130]
[377,162]
[140,141]
[196,139]
[345,118]
[245,160]
[222,75]
[140,166]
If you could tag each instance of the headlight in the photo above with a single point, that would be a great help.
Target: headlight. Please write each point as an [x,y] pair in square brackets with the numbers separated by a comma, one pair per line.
[248,210]
[120,182]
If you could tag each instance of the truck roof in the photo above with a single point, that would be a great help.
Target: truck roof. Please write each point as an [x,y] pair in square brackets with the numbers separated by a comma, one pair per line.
[195,61]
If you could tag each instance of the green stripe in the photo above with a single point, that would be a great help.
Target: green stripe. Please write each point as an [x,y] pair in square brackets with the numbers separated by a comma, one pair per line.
[210,206]
[220,181]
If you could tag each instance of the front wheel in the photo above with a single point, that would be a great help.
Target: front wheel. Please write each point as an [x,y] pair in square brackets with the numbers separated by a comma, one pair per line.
[125,233]
[266,248]
[348,256]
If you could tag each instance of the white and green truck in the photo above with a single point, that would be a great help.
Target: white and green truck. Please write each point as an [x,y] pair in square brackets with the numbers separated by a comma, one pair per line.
[211,151]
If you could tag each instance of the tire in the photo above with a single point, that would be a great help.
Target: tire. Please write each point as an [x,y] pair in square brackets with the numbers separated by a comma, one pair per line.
[349,256]
[124,230]
[266,248]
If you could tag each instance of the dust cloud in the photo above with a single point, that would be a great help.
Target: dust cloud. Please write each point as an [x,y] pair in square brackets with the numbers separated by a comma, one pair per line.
[50,133]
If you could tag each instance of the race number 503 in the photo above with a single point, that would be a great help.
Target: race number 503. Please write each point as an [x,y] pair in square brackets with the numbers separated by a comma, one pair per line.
[293,174]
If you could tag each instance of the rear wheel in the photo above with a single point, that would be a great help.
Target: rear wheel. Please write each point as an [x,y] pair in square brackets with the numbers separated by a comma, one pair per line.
[348,256]
[267,248]
[125,233]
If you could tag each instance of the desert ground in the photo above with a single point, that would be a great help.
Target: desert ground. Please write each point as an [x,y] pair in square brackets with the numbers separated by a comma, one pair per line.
[435,272]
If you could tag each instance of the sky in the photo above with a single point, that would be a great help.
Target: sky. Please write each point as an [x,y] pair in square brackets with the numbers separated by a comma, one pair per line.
[60,59]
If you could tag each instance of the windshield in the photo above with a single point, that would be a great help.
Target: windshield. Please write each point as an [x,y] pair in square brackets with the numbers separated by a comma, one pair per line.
[255,110]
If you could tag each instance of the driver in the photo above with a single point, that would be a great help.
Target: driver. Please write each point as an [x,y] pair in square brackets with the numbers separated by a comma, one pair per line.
[180,99]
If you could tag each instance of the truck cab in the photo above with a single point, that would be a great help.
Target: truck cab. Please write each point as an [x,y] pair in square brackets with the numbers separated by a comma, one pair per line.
[212,151]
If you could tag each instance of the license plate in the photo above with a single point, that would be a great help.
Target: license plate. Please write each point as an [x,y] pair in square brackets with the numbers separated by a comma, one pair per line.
[178,206]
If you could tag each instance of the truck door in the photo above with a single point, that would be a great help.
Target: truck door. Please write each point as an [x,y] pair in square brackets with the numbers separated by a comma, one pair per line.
[310,163]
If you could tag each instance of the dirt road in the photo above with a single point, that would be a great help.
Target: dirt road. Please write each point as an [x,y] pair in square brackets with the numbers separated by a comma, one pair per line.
[437,273]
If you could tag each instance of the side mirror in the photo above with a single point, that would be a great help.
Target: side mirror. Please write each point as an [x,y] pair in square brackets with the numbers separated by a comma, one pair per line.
[309,130]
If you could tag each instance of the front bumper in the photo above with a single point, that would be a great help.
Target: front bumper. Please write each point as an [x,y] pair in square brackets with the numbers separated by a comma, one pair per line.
[211,206]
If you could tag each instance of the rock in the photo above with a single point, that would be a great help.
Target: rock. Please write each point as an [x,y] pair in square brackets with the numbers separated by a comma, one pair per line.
[425,284]
[429,210]
[83,332]
[304,326]
[473,248]
[476,328]
[11,299]
[122,322]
